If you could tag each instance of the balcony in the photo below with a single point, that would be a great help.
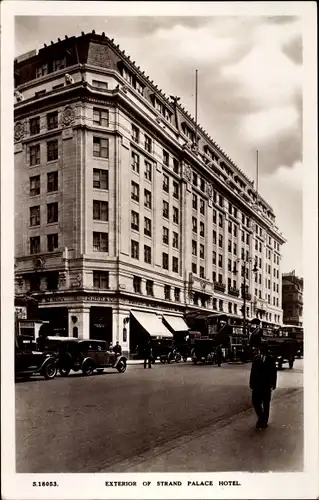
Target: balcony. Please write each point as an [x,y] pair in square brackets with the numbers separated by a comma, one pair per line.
[233,291]
[247,295]
[220,287]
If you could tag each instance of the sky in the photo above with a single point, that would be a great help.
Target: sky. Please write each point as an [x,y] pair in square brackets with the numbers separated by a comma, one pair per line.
[249,90]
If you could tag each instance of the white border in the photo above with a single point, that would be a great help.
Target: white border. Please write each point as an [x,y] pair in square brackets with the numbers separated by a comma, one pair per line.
[86,486]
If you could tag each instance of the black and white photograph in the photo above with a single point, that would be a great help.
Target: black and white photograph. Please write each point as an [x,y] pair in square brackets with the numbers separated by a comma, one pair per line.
[159,250]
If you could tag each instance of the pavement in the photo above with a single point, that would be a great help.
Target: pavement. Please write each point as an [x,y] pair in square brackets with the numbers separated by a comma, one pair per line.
[235,445]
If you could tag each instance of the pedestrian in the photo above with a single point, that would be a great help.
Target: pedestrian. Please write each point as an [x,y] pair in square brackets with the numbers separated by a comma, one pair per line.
[263,379]
[117,348]
[148,355]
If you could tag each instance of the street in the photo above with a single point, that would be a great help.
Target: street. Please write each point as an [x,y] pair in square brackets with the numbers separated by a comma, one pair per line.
[177,417]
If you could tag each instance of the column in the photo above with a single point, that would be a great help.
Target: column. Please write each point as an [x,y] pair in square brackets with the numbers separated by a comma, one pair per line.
[79,322]
[121,328]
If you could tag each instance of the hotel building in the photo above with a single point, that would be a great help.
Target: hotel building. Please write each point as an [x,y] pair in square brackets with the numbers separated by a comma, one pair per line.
[126,211]
[292,299]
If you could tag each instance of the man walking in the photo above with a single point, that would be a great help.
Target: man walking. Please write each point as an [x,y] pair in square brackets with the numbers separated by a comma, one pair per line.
[263,379]
[148,355]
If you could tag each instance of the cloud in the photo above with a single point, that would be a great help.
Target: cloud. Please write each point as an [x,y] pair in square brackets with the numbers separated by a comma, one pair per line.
[269,124]
[289,177]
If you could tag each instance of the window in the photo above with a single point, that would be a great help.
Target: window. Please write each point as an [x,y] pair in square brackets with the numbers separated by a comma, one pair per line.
[214,237]
[147,226]
[177,294]
[260,279]
[220,241]
[148,144]
[221,200]
[101,117]
[214,258]
[220,220]
[215,304]
[165,183]
[229,245]
[256,245]
[229,283]
[58,64]
[214,216]
[175,215]
[235,230]
[176,190]
[175,240]
[256,292]
[235,308]
[100,147]
[52,212]
[165,158]
[150,288]
[165,235]
[194,247]
[230,307]
[259,293]
[52,181]
[230,227]
[221,305]
[243,236]
[202,185]
[201,272]
[134,249]
[100,210]
[100,242]
[214,276]
[42,70]
[99,84]
[202,206]
[148,170]
[194,224]
[135,162]
[34,244]
[167,292]
[220,260]
[147,254]
[175,265]
[235,212]
[35,185]
[135,220]
[235,249]
[135,133]
[201,251]
[52,120]
[194,268]
[101,279]
[35,216]
[137,281]
[202,229]
[194,179]
[100,179]
[52,242]
[52,150]
[175,166]
[34,153]
[135,193]
[165,209]
[165,260]
[194,202]
[260,248]
[34,124]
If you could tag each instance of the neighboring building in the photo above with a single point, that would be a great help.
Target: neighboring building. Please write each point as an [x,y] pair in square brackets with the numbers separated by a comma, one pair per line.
[292,299]
[118,210]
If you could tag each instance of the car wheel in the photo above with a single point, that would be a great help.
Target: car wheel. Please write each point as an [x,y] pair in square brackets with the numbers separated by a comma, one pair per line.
[100,370]
[178,358]
[163,360]
[121,366]
[185,359]
[88,368]
[49,371]
[64,371]
[194,360]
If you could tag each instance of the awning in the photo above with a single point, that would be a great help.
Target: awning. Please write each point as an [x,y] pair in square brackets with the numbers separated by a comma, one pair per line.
[176,323]
[152,324]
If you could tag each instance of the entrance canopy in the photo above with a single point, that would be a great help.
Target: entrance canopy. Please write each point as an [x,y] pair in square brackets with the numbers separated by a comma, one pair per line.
[152,324]
[176,323]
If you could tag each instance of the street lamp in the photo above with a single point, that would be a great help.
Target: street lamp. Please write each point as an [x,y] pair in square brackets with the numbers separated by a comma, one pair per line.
[245,262]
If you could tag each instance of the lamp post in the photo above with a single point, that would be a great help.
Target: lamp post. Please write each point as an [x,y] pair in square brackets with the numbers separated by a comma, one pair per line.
[245,262]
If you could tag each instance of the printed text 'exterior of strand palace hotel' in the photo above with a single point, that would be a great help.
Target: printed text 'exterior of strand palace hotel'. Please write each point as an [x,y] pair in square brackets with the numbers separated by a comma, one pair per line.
[121,218]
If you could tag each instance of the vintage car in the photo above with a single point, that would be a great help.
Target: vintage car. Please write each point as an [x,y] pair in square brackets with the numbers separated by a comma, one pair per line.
[206,350]
[29,361]
[81,354]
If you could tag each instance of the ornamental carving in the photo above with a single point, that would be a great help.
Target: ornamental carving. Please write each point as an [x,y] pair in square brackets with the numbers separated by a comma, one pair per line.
[77,281]
[62,279]
[67,116]
[19,131]
[187,172]
[38,263]
[19,283]
[209,189]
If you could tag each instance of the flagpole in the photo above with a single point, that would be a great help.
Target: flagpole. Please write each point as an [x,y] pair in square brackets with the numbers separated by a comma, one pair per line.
[257,177]
[196,98]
